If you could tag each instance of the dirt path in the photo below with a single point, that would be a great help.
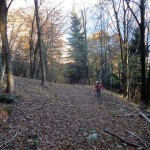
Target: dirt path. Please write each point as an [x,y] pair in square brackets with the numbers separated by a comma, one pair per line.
[62,117]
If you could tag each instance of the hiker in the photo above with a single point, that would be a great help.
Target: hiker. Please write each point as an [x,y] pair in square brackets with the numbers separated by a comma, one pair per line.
[98,88]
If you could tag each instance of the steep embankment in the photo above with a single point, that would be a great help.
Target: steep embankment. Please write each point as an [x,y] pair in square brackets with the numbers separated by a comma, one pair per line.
[69,117]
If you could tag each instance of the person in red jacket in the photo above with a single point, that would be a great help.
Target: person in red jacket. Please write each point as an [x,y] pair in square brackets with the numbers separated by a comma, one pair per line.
[98,88]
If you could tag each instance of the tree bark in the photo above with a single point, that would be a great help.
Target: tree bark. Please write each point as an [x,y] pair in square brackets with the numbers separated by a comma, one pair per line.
[1,65]
[148,87]
[3,32]
[40,42]
[142,46]
[52,52]
[126,49]
[35,60]
[31,48]
[84,18]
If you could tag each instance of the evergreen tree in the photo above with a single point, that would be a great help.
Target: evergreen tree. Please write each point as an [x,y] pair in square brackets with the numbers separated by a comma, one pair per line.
[134,46]
[134,61]
[77,51]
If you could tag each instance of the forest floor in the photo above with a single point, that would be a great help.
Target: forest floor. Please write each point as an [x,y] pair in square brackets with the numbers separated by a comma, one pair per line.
[69,117]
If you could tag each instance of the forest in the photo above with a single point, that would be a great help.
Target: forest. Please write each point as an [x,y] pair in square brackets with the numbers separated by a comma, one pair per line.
[52,52]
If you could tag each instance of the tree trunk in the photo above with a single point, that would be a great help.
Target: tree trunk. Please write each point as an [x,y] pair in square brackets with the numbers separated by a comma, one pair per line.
[1,68]
[84,18]
[124,81]
[148,87]
[40,42]
[35,60]
[31,48]
[3,32]
[142,46]
[47,72]
[52,65]
[52,52]
[126,49]
[101,61]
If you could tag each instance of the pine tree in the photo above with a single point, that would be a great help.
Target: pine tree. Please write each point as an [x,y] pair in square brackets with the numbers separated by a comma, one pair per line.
[134,46]
[77,51]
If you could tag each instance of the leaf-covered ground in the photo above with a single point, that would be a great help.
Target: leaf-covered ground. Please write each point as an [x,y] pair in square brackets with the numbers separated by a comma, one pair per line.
[69,117]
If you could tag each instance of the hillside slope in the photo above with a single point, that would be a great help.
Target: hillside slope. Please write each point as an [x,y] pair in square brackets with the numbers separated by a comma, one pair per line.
[69,117]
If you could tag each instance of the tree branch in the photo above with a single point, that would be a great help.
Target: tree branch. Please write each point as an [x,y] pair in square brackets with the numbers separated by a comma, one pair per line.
[127,115]
[129,143]
[9,140]
[135,3]
[144,116]
[110,17]
[49,13]
[132,13]
[142,141]
[119,6]
[9,4]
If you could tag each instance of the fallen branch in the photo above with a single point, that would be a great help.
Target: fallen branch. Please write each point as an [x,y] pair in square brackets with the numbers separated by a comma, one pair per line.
[127,142]
[127,115]
[147,119]
[148,131]
[9,140]
[144,116]
[142,141]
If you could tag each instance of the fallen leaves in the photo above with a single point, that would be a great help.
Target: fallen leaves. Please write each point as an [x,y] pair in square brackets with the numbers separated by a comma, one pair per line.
[3,116]
[67,117]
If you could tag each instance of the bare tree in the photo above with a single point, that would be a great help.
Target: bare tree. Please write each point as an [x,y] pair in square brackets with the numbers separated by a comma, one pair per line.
[6,50]
[40,41]
[53,27]
[123,57]
[84,19]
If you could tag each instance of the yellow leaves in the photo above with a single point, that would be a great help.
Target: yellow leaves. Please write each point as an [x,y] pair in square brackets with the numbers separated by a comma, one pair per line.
[98,35]
[26,46]
[23,43]
[95,36]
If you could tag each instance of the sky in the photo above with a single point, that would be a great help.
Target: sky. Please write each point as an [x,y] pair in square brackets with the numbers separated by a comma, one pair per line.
[67,4]
[19,4]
